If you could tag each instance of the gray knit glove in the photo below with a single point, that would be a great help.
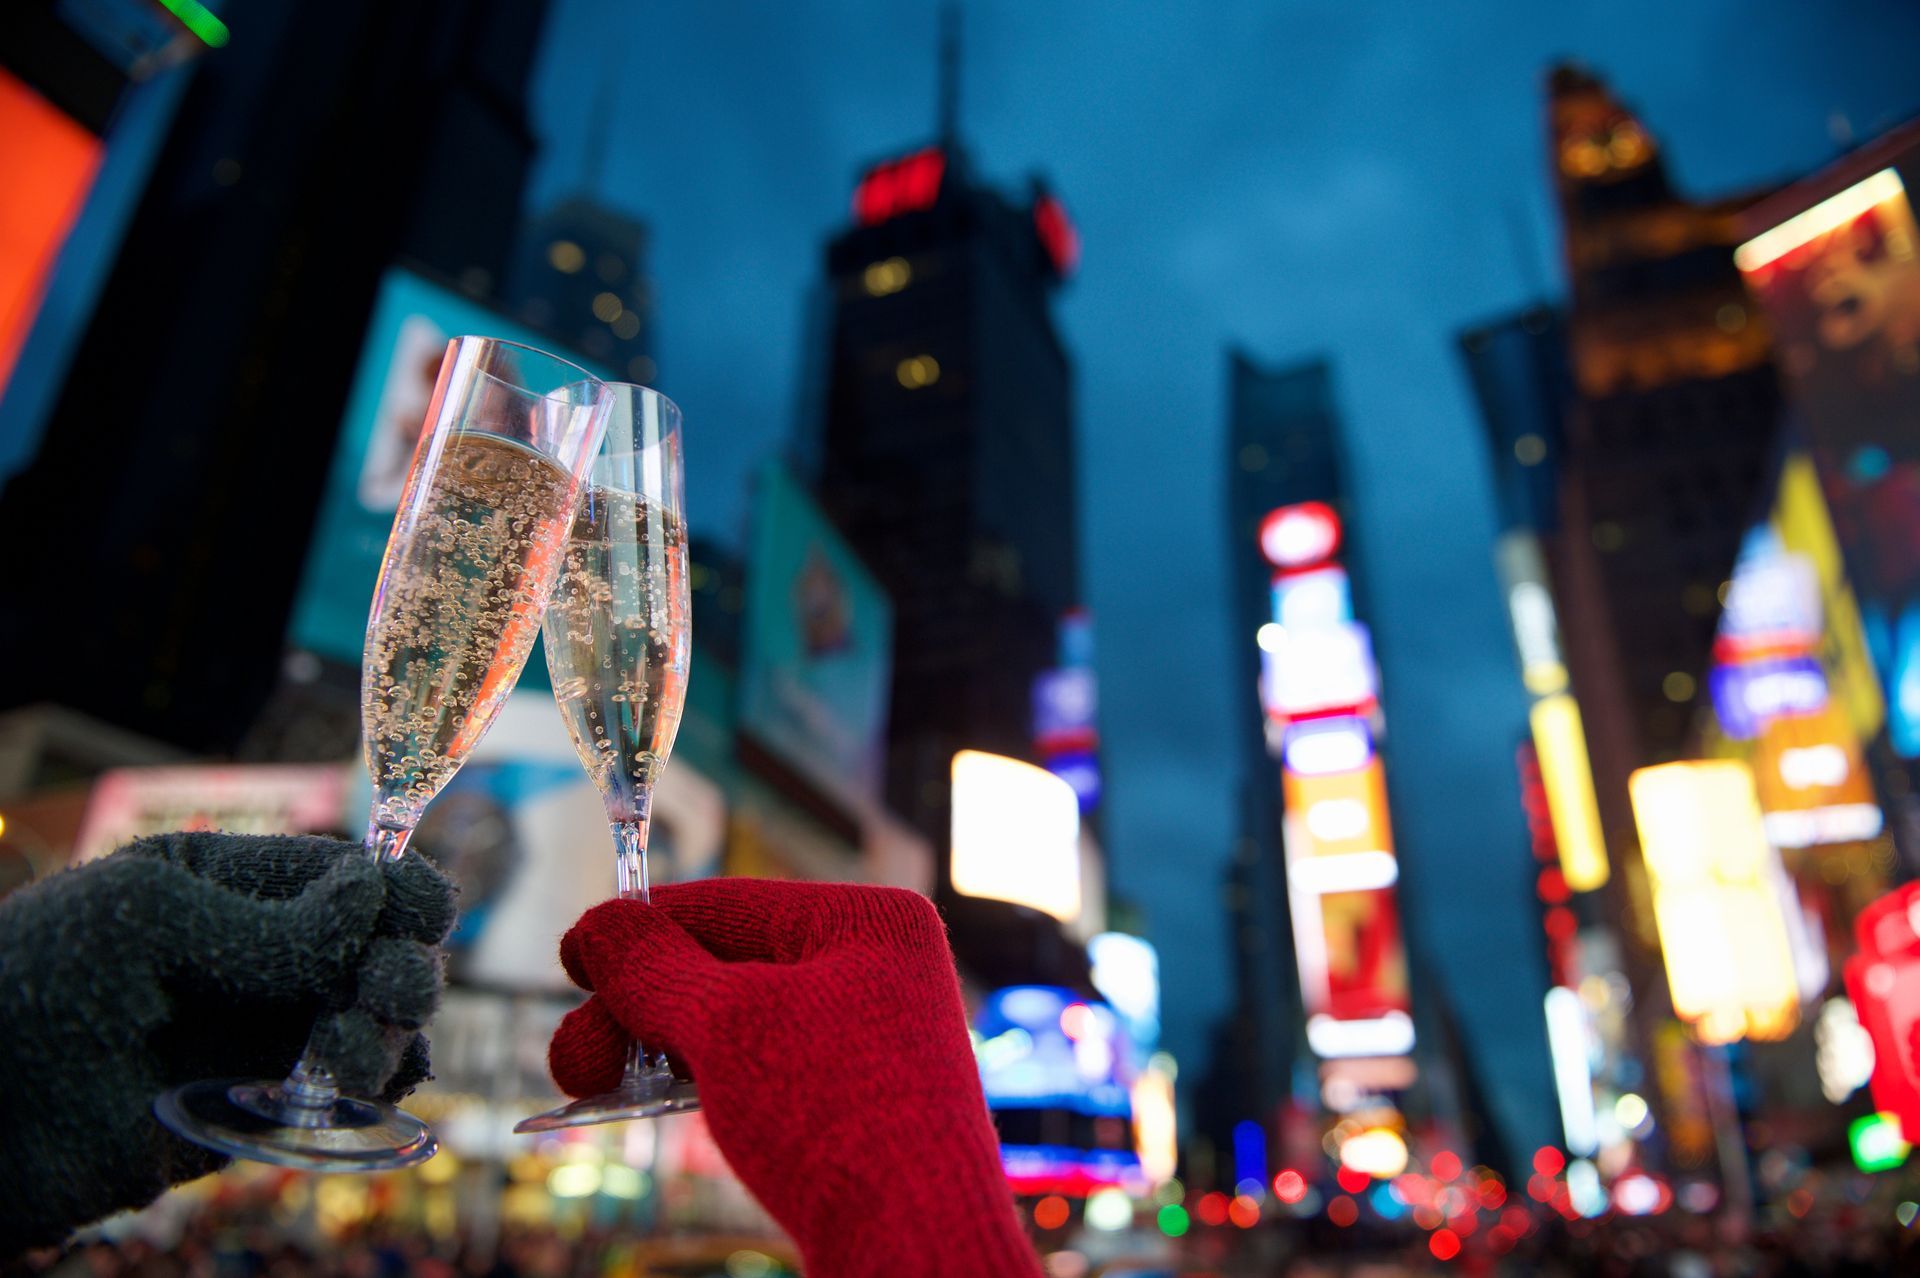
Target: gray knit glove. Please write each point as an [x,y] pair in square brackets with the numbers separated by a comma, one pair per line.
[191,956]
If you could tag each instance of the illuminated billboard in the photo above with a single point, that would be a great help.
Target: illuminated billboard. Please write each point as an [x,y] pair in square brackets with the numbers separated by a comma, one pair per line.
[1308,671]
[1320,689]
[1300,535]
[1560,743]
[1884,981]
[1126,971]
[817,654]
[1840,284]
[1054,1069]
[1791,688]
[52,162]
[407,334]
[1718,899]
[1016,834]
[1340,814]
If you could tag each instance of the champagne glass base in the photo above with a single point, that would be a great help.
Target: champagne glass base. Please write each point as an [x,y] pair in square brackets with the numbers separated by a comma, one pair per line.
[249,1119]
[645,1099]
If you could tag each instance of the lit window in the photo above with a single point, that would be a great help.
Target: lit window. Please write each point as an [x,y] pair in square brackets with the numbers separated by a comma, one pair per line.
[607,307]
[609,268]
[1529,450]
[626,326]
[565,256]
[918,371]
[886,277]
[1678,686]
[641,369]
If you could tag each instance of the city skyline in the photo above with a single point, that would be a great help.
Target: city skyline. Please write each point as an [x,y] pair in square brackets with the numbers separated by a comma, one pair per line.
[1278,180]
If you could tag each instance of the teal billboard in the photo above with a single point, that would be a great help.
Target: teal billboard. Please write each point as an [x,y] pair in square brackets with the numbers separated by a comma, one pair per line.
[818,648]
[413,319]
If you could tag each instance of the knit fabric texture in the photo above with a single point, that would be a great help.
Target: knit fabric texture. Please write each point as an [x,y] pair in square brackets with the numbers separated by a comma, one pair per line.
[823,1024]
[191,956]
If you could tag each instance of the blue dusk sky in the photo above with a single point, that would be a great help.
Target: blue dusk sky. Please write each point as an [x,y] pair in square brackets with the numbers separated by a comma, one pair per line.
[1357,181]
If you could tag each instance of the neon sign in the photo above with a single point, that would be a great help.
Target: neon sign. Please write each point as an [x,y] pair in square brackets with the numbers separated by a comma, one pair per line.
[905,185]
[1300,535]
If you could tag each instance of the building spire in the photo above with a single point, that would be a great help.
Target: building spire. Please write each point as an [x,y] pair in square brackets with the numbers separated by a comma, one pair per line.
[949,102]
[600,123]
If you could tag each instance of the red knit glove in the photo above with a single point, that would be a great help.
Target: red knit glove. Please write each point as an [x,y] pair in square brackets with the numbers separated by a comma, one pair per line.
[823,1025]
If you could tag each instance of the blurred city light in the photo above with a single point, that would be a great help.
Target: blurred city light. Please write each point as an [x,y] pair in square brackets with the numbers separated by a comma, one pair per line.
[1378,1152]
[1569,1046]
[1561,743]
[1016,834]
[1108,1210]
[1729,960]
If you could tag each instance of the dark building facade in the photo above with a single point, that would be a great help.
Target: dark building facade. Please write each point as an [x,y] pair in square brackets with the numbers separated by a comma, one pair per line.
[176,485]
[579,273]
[946,456]
[1673,415]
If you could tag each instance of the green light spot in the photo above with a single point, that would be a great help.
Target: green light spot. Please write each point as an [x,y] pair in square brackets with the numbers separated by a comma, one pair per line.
[196,18]
[1173,1220]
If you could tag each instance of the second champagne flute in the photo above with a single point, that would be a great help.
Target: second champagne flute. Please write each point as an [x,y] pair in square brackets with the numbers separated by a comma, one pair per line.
[618,639]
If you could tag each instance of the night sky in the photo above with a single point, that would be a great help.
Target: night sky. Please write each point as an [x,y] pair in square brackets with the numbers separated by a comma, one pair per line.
[1359,180]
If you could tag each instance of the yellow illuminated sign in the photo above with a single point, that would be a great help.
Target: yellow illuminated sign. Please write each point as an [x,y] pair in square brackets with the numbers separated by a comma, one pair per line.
[1567,776]
[1805,526]
[1155,1127]
[1341,812]
[1716,899]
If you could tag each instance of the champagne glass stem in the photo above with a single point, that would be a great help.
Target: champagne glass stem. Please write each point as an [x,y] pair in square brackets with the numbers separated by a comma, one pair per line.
[630,857]
[307,1094]
[631,883]
[384,844]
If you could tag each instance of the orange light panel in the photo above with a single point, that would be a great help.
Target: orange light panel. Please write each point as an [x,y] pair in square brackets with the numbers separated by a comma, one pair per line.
[50,162]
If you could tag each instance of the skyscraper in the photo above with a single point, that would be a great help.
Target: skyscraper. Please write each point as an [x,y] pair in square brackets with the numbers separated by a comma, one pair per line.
[1282,449]
[1673,416]
[177,483]
[579,272]
[946,452]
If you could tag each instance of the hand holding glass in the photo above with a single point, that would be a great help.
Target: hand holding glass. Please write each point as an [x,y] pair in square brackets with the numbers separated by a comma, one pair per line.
[618,640]
[476,546]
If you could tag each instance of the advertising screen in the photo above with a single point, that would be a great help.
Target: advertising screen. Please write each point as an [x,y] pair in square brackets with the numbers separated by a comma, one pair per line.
[1016,834]
[1790,686]
[1840,283]
[412,321]
[35,138]
[128,803]
[1056,1071]
[1341,812]
[818,649]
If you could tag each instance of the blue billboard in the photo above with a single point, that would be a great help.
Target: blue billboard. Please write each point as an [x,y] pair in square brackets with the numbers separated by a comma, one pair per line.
[412,321]
[818,652]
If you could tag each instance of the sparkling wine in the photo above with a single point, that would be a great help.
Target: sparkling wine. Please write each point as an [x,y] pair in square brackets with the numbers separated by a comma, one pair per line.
[469,566]
[617,639]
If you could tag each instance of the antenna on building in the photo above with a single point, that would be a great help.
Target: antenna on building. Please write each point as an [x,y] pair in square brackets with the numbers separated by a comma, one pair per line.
[949,103]
[600,123]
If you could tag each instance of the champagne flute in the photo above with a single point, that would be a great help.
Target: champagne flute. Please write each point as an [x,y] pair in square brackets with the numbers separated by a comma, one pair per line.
[476,545]
[618,640]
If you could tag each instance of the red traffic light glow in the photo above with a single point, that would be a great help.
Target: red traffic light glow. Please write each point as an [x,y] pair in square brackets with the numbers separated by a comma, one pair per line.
[905,185]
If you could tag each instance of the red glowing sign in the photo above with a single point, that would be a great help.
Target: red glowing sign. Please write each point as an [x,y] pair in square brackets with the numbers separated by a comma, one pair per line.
[1884,981]
[1300,535]
[1057,234]
[906,185]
